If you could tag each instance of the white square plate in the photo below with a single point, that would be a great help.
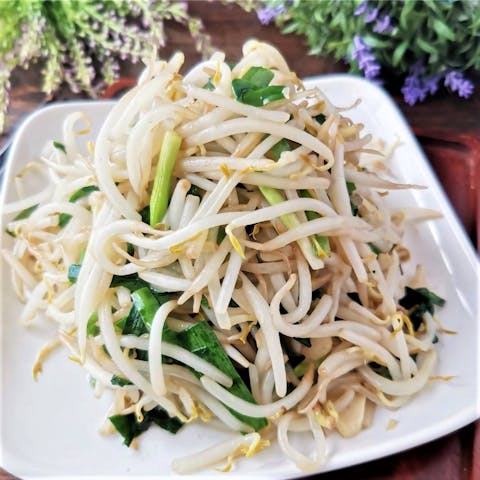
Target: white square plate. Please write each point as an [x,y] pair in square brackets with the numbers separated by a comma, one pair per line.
[49,428]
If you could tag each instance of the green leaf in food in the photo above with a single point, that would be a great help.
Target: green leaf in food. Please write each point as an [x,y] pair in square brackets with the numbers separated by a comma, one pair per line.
[144,307]
[204,302]
[221,234]
[163,176]
[418,301]
[282,146]
[60,146]
[263,96]
[92,328]
[129,427]
[133,282]
[380,370]
[351,187]
[202,341]
[194,190]
[145,214]
[301,369]
[74,272]
[321,243]
[83,192]
[254,89]
[209,85]
[120,381]
[321,247]
[25,213]
[259,77]
[22,216]
[64,218]
[198,339]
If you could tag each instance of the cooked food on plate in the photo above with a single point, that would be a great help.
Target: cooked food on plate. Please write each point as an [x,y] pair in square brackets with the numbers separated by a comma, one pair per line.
[225,251]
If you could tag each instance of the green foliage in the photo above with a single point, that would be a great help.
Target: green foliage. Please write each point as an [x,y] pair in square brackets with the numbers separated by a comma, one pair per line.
[81,41]
[444,34]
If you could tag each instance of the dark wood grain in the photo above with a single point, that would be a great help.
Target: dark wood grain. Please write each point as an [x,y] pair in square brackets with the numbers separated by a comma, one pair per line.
[449,131]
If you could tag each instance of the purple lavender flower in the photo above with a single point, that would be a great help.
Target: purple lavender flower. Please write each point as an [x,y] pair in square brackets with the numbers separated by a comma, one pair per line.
[371,15]
[458,83]
[365,58]
[267,14]
[431,83]
[361,9]
[418,68]
[414,90]
[417,87]
[383,24]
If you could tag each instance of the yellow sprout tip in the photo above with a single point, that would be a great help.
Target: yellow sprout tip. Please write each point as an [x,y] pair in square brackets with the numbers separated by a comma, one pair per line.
[236,245]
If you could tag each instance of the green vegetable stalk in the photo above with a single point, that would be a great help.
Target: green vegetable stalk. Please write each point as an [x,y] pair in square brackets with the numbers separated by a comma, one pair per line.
[161,185]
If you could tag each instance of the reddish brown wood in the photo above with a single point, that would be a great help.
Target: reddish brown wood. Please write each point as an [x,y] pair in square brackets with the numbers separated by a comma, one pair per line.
[475,474]
[449,131]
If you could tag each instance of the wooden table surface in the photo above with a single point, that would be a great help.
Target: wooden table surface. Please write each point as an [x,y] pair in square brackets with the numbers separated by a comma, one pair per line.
[449,131]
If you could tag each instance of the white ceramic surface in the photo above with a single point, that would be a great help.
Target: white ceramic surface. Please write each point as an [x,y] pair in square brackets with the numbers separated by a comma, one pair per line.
[48,429]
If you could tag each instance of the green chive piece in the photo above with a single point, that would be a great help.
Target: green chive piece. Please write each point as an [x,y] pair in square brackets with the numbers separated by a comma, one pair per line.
[161,185]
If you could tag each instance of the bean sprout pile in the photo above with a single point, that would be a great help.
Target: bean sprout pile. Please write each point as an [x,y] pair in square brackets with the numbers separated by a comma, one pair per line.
[224,252]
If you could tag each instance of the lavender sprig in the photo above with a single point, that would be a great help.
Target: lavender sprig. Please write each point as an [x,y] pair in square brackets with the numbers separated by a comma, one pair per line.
[82,42]
[459,84]
[365,58]
[267,14]
[417,86]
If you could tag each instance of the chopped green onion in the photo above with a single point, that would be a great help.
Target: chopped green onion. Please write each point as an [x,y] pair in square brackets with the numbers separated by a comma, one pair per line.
[64,218]
[274,197]
[129,427]
[221,234]
[323,243]
[320,118]
[120,381]
[145,214]
[21,216]
[83,192]
[254,89]
[161,185]
[194,190]
[418,301]
[201,340]
[25,213]
[92,328]
[204,302]
[146,305]
[60,146]
[209,85]
[74,272]
[282,146]
[259,77]
[301,369]
[351,187]
[256,97]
